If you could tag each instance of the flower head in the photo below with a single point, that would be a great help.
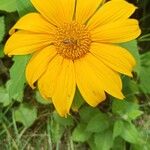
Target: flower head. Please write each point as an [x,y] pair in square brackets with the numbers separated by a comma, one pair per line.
[74,43]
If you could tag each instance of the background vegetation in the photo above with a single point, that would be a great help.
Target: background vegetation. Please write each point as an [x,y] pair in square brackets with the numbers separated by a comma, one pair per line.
[28,122]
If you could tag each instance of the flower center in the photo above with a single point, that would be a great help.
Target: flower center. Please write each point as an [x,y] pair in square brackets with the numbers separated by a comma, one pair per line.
[72,40]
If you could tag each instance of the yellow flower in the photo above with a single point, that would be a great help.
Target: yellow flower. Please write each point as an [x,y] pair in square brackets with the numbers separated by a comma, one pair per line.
[73,43]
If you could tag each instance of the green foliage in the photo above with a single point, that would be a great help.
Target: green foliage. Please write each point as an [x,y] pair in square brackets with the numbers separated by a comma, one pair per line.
[63,121]
[4,97]
[104,140]
[1,51]
[78,101]
[17,80]
[133,49]
[2,28]
[80,134]
[26,114]
[130,133]
[127,131]
[40,99]
[126,110]
[8,6]
[119,144]
[86,113]
[98,123]
[145,72]
[24,7]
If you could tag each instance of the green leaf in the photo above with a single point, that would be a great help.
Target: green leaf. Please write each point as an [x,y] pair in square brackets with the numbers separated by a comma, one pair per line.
[26,114]
[80,134]
[127,131]
[130,88]
[134,114]
[119,144]
[144,146]
[145,80]
[4,97]
[133,49]
[56,130]
[63,121]
[118,128]
[98,123]
[92,144]
[10,20]
[2,28]
[144,74]
[40,99]
[17,77]
[24,7]
[141,147]
[8,5]
[126,110]
[78,101]
[87,112]
[130,133]
[145,59]
[104,140]
[1,51]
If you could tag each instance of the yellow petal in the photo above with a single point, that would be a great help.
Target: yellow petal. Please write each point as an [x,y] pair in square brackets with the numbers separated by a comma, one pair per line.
[48,79]
[110,12]
[117,32]
[33,22]
[85,9]
[93,77]
[115,57]
[55,11]
[88,83]
[38,64]
[64,88]
[23,42]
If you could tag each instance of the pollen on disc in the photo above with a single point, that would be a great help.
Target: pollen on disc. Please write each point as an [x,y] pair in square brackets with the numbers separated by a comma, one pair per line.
[72,41]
